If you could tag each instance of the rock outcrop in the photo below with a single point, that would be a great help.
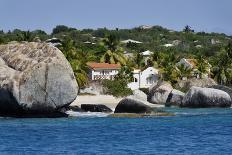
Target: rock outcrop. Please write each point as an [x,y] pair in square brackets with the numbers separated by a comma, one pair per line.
[198,97]
[187,84]
[159,93]
[127,105]
[34,78]
[95,108]
[175,98]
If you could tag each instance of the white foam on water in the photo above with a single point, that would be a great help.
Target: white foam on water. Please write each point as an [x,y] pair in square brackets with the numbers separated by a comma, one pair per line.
[86,114]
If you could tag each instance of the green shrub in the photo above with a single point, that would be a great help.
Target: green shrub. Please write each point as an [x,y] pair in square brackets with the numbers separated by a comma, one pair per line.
[117,88]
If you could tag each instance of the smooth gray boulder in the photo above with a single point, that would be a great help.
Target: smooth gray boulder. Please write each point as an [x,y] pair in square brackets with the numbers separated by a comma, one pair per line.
[159,93]
[34,78]
[139,95]
[175,98]
[127,105]
[223,88]
[198,97]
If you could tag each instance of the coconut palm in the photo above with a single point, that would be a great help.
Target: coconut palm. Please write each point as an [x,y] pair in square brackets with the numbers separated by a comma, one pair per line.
[113,57]
[183,72]
[80,73]
[112,54]
[202,66]
[138,61]
[111,42]
[77,59]
[222,72]
[25,36]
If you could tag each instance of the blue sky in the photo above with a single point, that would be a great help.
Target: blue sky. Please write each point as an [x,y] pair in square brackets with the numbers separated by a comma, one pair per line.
[201,15]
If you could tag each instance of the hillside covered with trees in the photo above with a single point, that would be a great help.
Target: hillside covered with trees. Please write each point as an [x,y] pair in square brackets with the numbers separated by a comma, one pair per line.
[168,47]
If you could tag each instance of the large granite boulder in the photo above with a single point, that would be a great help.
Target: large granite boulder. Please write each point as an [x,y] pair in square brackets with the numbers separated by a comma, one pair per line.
[34,78]
[175,98]
[95,108]
[159,93]
[198,97]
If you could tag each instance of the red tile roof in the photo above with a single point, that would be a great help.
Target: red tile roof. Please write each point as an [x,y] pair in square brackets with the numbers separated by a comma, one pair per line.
[95,65]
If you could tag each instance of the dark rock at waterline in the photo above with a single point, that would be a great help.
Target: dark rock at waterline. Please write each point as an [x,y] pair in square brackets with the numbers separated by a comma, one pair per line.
[34,78]
[198,97]
[95,108]
[74,108]
[127,105]
[175,98]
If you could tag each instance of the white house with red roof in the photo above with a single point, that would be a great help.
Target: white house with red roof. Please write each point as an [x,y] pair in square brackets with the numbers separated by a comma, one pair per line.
[100,71]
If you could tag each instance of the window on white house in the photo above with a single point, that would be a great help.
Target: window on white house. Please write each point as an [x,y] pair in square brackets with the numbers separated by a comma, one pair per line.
[135,80]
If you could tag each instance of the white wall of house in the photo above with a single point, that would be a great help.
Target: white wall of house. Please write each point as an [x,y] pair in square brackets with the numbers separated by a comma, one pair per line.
[103,74]
[144,79]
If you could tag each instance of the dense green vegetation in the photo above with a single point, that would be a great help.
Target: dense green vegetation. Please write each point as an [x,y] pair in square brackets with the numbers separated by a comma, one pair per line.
[104,45]
[117,88]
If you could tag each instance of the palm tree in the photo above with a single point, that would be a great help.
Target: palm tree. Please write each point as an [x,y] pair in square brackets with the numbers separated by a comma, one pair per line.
[187,29]
[222,72]
[183,72]
[25,36]
[113,57]
[202,66]
[138,61]
[112,54]
[77,59]
[80,73]
[111,42]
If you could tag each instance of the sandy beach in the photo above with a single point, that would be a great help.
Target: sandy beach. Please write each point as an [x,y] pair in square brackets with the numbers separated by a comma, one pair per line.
[108,100]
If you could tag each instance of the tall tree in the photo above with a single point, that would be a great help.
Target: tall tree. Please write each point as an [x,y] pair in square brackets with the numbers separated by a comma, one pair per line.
[112,54]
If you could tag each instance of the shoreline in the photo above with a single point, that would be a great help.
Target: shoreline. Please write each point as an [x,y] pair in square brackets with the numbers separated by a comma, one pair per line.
[107,100]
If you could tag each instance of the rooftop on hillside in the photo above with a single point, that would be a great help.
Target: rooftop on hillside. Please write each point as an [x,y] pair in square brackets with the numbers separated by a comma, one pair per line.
[95,65]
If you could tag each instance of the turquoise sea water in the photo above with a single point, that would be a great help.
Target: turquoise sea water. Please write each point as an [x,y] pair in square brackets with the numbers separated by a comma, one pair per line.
[192,131]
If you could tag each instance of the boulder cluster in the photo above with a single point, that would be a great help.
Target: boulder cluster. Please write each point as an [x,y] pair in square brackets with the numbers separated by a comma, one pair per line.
[196,97]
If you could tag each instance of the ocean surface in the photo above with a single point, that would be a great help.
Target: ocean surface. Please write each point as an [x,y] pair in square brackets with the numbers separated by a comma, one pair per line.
[191,131]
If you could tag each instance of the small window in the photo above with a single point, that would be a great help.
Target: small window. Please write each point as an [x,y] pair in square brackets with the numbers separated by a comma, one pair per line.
[135,80]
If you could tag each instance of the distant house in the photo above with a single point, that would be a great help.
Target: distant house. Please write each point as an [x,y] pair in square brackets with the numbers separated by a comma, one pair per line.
[147,53]
[144,79]
[145,27]
[192,64]
[168,45]
[100,71]
[131,41]
[54,41]
[188,63]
